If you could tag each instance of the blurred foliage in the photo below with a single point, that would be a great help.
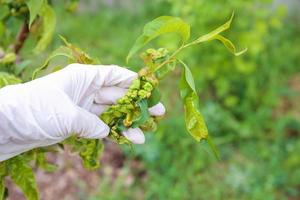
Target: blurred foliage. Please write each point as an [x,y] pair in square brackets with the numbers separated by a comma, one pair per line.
[250,103]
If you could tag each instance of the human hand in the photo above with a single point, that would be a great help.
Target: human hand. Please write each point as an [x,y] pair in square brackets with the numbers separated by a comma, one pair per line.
[48,110]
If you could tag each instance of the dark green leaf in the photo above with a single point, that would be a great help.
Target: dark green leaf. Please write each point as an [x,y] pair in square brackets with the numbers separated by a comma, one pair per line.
[154,98]
[144,116]
[34,7]
[157,27]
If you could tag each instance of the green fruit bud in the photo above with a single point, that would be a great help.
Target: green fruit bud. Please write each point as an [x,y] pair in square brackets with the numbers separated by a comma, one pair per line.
[135,84]
[144,94]
[148,87]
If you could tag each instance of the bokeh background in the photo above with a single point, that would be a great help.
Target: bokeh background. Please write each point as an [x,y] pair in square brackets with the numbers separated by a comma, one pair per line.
[251,104]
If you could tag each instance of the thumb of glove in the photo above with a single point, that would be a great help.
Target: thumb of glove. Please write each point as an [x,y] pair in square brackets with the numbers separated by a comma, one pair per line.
[87,125]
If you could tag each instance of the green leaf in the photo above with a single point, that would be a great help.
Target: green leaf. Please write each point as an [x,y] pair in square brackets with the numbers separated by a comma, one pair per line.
[215,35]
[144,116]
[212,34]
[49,22]
[159,26]
[22,174]
[229,45]
[34,7]
[60,51]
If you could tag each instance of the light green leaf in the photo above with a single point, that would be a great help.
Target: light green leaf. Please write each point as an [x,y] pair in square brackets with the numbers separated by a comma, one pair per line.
[159,26]
[34,7]
[212,34]
[49,22]
[21,173]
[229,45]
[60,51]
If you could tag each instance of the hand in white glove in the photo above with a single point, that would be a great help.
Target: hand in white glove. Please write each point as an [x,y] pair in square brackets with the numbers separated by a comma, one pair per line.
[49,109]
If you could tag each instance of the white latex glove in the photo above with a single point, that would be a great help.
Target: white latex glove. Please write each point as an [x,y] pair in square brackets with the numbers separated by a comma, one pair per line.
[49,109]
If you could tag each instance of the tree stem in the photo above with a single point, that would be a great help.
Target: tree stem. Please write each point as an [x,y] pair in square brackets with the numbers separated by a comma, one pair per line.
[21,37]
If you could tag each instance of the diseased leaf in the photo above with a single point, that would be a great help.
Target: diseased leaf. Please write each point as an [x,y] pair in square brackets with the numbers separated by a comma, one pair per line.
[193,119]
[8,79]
[60,51]
[21,173]
[79,55]
[157,27]
[89,150]
[3,173]
[42,162]
[34,7]
[229,45]
[49,22]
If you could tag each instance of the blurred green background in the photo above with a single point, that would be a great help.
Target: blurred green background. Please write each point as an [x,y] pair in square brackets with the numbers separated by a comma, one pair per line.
[251,103]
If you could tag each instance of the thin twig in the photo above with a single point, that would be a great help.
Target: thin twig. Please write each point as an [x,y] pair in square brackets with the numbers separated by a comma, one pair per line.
[21,37]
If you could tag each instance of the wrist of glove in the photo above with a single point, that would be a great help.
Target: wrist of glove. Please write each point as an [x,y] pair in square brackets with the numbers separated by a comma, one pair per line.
[50,109]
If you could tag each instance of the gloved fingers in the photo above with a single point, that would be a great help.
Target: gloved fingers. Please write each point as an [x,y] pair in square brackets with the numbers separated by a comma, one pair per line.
[88,125]
[97,109]
[105,75]
[109,95]
[135,135]
[157,110]
[117,76]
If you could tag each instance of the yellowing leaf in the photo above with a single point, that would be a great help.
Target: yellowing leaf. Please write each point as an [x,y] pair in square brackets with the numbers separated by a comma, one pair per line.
[193,119]
[159,26]
[61,51]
